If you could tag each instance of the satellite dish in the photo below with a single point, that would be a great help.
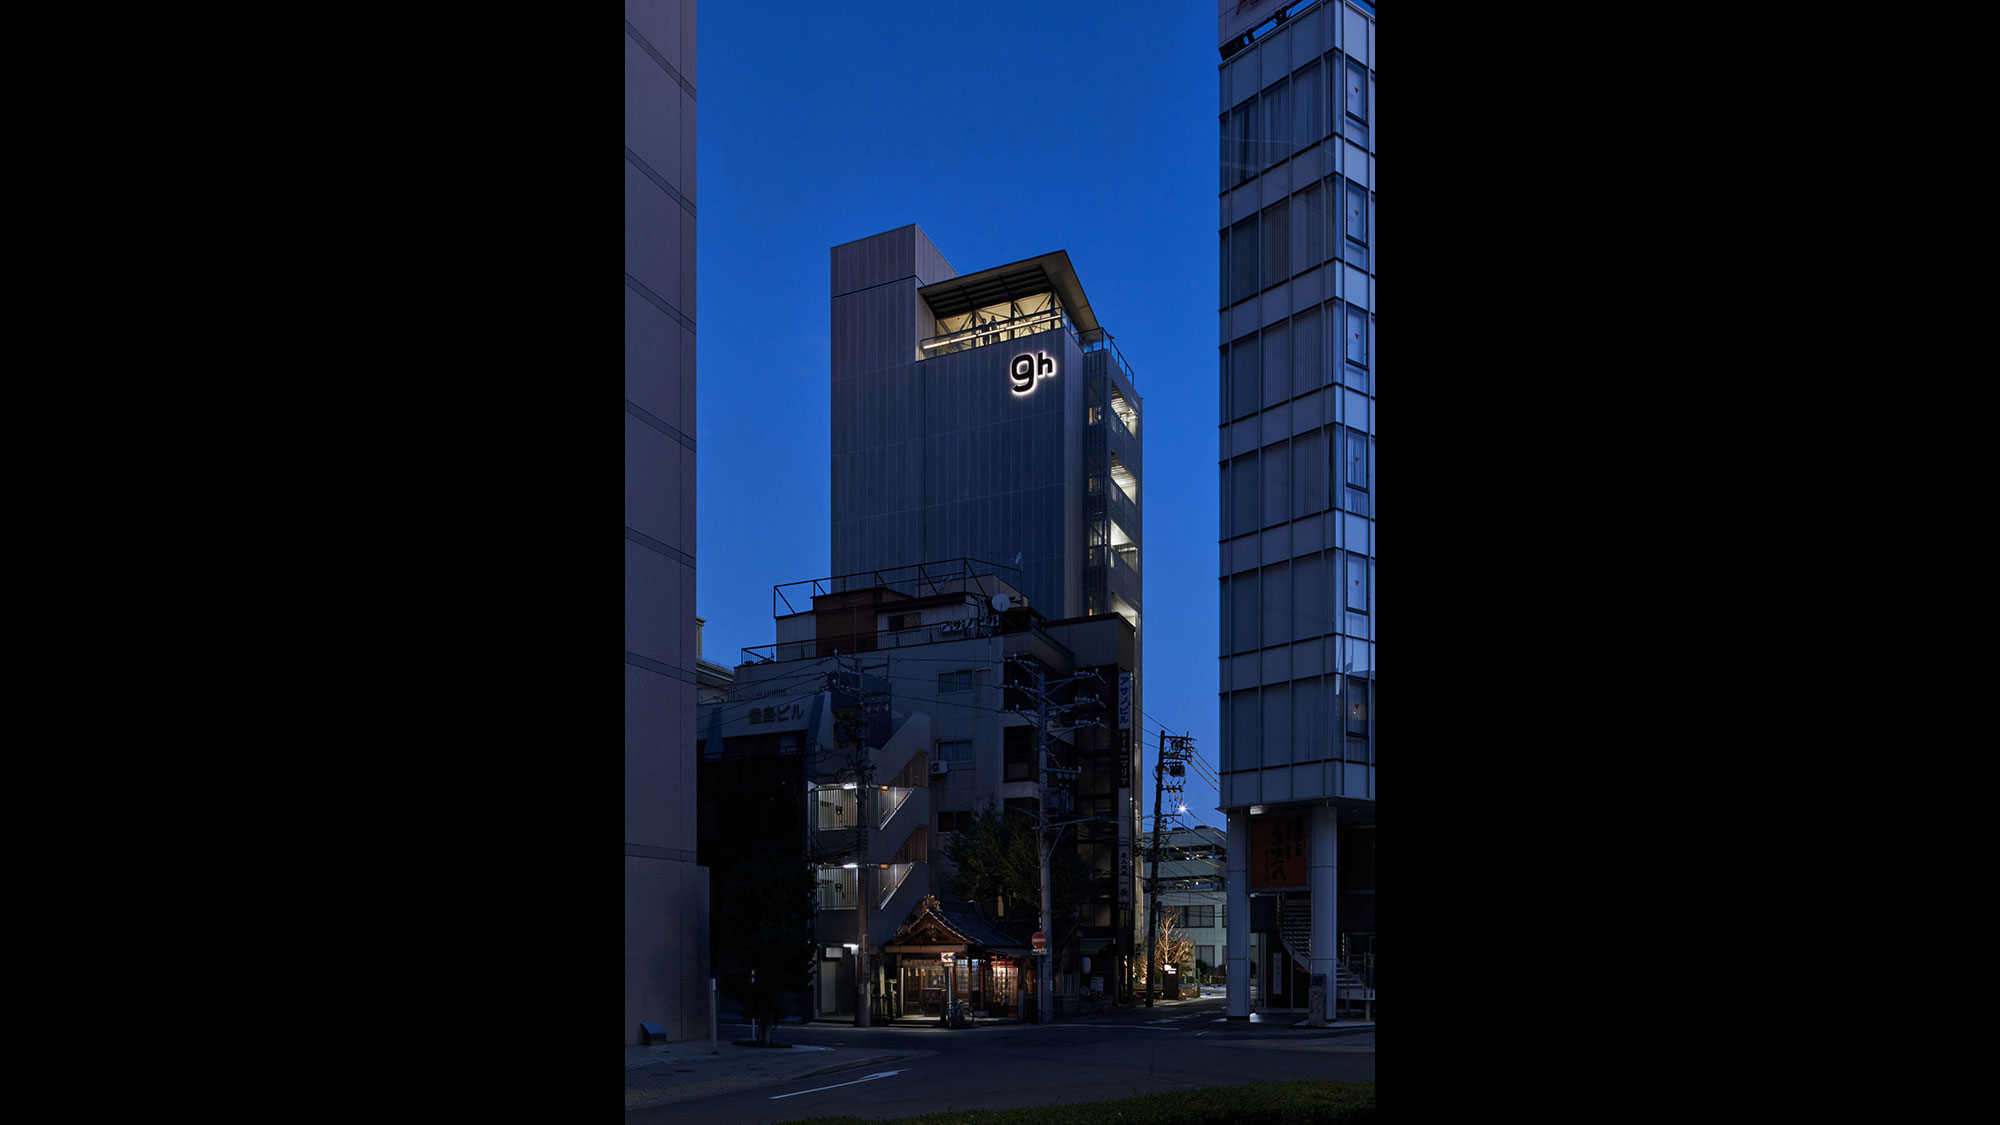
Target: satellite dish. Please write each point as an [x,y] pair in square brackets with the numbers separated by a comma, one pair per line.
[1000,603]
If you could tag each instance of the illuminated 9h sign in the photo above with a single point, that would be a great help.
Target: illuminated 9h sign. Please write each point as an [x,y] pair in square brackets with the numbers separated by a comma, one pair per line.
[1026,368]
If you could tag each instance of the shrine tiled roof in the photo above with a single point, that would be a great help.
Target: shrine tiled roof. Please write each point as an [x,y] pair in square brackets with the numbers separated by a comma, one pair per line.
[961,921]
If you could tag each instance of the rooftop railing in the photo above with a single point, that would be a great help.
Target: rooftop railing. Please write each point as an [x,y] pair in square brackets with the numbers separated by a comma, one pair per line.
[1098,340]
[1021,327]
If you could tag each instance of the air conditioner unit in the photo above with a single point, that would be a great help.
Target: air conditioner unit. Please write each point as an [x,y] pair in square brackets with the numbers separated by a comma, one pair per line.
[940,768]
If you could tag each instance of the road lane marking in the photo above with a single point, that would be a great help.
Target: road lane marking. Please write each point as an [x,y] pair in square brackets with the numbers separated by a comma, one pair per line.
[1116,1026]
[837,1085]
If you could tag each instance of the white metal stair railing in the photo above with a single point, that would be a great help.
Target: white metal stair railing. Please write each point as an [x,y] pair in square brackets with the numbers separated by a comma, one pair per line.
[890,801]
[1295,931]
[892,877]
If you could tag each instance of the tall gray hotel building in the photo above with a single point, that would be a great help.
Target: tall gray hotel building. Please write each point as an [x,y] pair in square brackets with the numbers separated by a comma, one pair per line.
[988,416]
[1298,491]
[984,416]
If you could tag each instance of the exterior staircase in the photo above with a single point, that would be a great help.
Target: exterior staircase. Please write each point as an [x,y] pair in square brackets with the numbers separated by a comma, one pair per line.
[1295,930]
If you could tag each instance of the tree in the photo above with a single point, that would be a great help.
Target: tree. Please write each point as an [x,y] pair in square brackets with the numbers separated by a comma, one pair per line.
[1176,948]
[764,924]
[995,857]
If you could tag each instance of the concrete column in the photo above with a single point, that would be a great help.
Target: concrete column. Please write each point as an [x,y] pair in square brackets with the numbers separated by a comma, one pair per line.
[1238,935]
[1325,901]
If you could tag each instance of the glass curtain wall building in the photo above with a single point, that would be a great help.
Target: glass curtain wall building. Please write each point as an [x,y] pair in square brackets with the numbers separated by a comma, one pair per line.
[1297,364]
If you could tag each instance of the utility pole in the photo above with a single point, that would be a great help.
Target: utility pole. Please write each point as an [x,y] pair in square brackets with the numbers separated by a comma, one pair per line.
[872,705]
[862,769]
[1045,841]
[1153,881]
[863,887]
[1183,746]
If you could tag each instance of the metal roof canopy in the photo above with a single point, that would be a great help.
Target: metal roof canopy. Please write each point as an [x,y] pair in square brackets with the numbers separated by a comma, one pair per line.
[1025,278]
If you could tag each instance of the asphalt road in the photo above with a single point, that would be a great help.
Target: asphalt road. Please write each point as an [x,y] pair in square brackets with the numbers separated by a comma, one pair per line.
[1091,1058]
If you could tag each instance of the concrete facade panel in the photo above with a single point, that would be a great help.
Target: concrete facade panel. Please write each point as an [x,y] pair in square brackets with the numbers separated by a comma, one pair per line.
[659,787]
[654,135]
[666,893]
[654,475]
[662,27]
[690,178]
[659,607]
[653,346]
[666,947]
[653,238]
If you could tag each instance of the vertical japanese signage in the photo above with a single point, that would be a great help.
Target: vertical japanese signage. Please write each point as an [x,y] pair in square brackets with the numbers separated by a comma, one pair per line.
[1280,851]
[1124,700]
[1124,814]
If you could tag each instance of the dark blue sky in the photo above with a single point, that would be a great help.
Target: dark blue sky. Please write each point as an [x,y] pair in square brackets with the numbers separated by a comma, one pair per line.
[1004,131]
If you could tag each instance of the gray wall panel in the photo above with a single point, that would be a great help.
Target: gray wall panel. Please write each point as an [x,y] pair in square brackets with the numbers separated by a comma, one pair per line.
[666,893]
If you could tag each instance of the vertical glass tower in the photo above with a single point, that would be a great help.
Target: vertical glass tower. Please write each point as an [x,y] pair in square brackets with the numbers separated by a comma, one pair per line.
[1297,364]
